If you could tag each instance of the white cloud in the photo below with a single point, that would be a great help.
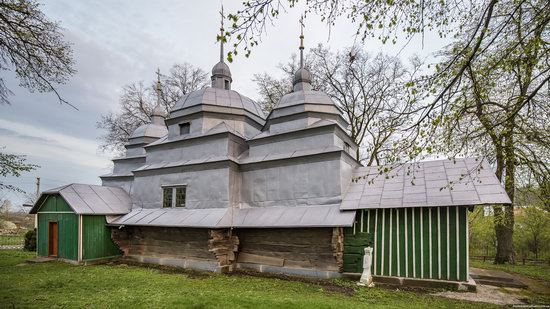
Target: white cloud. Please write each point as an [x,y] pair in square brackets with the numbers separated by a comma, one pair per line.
[56,147]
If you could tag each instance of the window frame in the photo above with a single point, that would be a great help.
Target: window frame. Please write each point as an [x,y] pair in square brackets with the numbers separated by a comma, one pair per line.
[173,195]
[186,125]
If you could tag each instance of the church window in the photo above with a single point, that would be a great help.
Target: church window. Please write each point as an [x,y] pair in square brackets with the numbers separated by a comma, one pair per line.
[173,196]
[226,84]
[167,197]
[346,147]
[180,196]
[184,128]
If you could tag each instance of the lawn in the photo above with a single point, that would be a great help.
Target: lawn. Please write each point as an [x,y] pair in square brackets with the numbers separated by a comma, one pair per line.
[11,240]
[55,285]
[540,272]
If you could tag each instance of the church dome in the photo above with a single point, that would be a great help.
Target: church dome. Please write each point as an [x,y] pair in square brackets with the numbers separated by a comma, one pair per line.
[150,130]
[304,97]
[221,69]
[302,76]
[230,100]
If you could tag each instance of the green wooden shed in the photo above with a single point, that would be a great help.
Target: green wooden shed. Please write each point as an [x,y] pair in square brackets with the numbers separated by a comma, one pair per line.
[72,222]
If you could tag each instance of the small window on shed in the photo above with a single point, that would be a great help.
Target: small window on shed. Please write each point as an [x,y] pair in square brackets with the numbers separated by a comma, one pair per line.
[173,196]
[184,128]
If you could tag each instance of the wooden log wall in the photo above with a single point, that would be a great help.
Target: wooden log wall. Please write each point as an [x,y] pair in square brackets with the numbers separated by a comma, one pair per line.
[223,244]
[164,242]
[311,248]
[338,247]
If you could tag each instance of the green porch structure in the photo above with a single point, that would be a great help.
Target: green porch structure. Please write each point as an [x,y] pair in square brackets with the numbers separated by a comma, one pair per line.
[419,242]
[67,230]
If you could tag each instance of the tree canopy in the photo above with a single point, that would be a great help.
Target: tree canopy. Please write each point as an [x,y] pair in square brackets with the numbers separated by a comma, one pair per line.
[33,47]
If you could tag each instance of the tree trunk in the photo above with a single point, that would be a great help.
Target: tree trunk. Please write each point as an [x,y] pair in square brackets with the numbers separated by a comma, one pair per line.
[504,233]
[504,215]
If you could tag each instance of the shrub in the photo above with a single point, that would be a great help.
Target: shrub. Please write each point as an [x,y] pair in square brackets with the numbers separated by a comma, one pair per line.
[30,240]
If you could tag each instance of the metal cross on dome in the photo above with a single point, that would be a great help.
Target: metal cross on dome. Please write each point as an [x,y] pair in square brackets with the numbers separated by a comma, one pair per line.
[158,79]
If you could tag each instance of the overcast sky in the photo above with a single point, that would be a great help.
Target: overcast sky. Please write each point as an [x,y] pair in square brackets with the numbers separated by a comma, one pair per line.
[119,42]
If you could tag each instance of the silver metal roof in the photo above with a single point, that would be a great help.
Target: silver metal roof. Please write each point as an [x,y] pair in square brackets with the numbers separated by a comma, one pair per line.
[284,217]
[257,217]
[150,130]
[219,97]
[303,97]
[90,199]
[434,183]
[317,124]
[207,218]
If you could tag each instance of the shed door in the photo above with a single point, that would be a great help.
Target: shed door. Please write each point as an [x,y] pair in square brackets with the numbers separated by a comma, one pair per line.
[52,238]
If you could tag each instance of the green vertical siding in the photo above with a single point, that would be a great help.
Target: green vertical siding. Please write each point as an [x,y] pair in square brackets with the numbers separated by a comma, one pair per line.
[55,203]
[429,242]
[67,234]
[96,239]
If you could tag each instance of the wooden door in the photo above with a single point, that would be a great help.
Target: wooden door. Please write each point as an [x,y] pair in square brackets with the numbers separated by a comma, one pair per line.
[52,238]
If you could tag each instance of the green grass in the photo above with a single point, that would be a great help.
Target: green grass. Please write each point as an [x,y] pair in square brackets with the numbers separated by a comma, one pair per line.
[11,239]
[60,285]
[540,272]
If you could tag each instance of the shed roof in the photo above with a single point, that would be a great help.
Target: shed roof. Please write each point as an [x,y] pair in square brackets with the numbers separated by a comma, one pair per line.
[90,199]
[457,182]
[255,217]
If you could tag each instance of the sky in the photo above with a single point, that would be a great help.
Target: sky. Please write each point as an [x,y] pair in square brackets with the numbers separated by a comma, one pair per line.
[119,42]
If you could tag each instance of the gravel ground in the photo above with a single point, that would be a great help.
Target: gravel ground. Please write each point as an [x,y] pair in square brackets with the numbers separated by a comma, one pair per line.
[487,294]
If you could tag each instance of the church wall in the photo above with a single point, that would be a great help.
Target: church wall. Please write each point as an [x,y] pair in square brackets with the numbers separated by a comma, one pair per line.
[235,185]
[198,148]
[206,187]
[300,181]
[124,183]
[133,151]
[163,242]
[195,126]
[236,146]
[127,166]
[292,142]
[289,125]
[301,248]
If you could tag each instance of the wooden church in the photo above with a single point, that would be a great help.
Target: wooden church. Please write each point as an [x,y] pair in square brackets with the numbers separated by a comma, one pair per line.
[217,185]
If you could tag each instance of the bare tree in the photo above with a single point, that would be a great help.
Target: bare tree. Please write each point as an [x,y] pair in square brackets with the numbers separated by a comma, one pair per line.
[371,92]
[138,101]
[33,47]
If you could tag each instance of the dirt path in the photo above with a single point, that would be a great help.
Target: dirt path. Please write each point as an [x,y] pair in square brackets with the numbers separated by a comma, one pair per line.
[486,294]
[537,293]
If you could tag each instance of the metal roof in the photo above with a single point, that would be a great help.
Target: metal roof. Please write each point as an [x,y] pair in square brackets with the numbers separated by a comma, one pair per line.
[219,97]
[304,97]
[256,217]
[285,217]
[150,130]
[90,199]
[435,183]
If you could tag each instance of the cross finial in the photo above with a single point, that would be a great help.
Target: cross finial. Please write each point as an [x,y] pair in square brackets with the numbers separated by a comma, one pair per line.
[158,79]
[302,42]
[222,36]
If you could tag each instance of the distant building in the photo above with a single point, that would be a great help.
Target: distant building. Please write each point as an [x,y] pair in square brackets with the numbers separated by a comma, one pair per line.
[219,186]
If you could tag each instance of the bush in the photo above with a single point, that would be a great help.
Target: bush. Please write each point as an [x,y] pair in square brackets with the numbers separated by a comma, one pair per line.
[30,240]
